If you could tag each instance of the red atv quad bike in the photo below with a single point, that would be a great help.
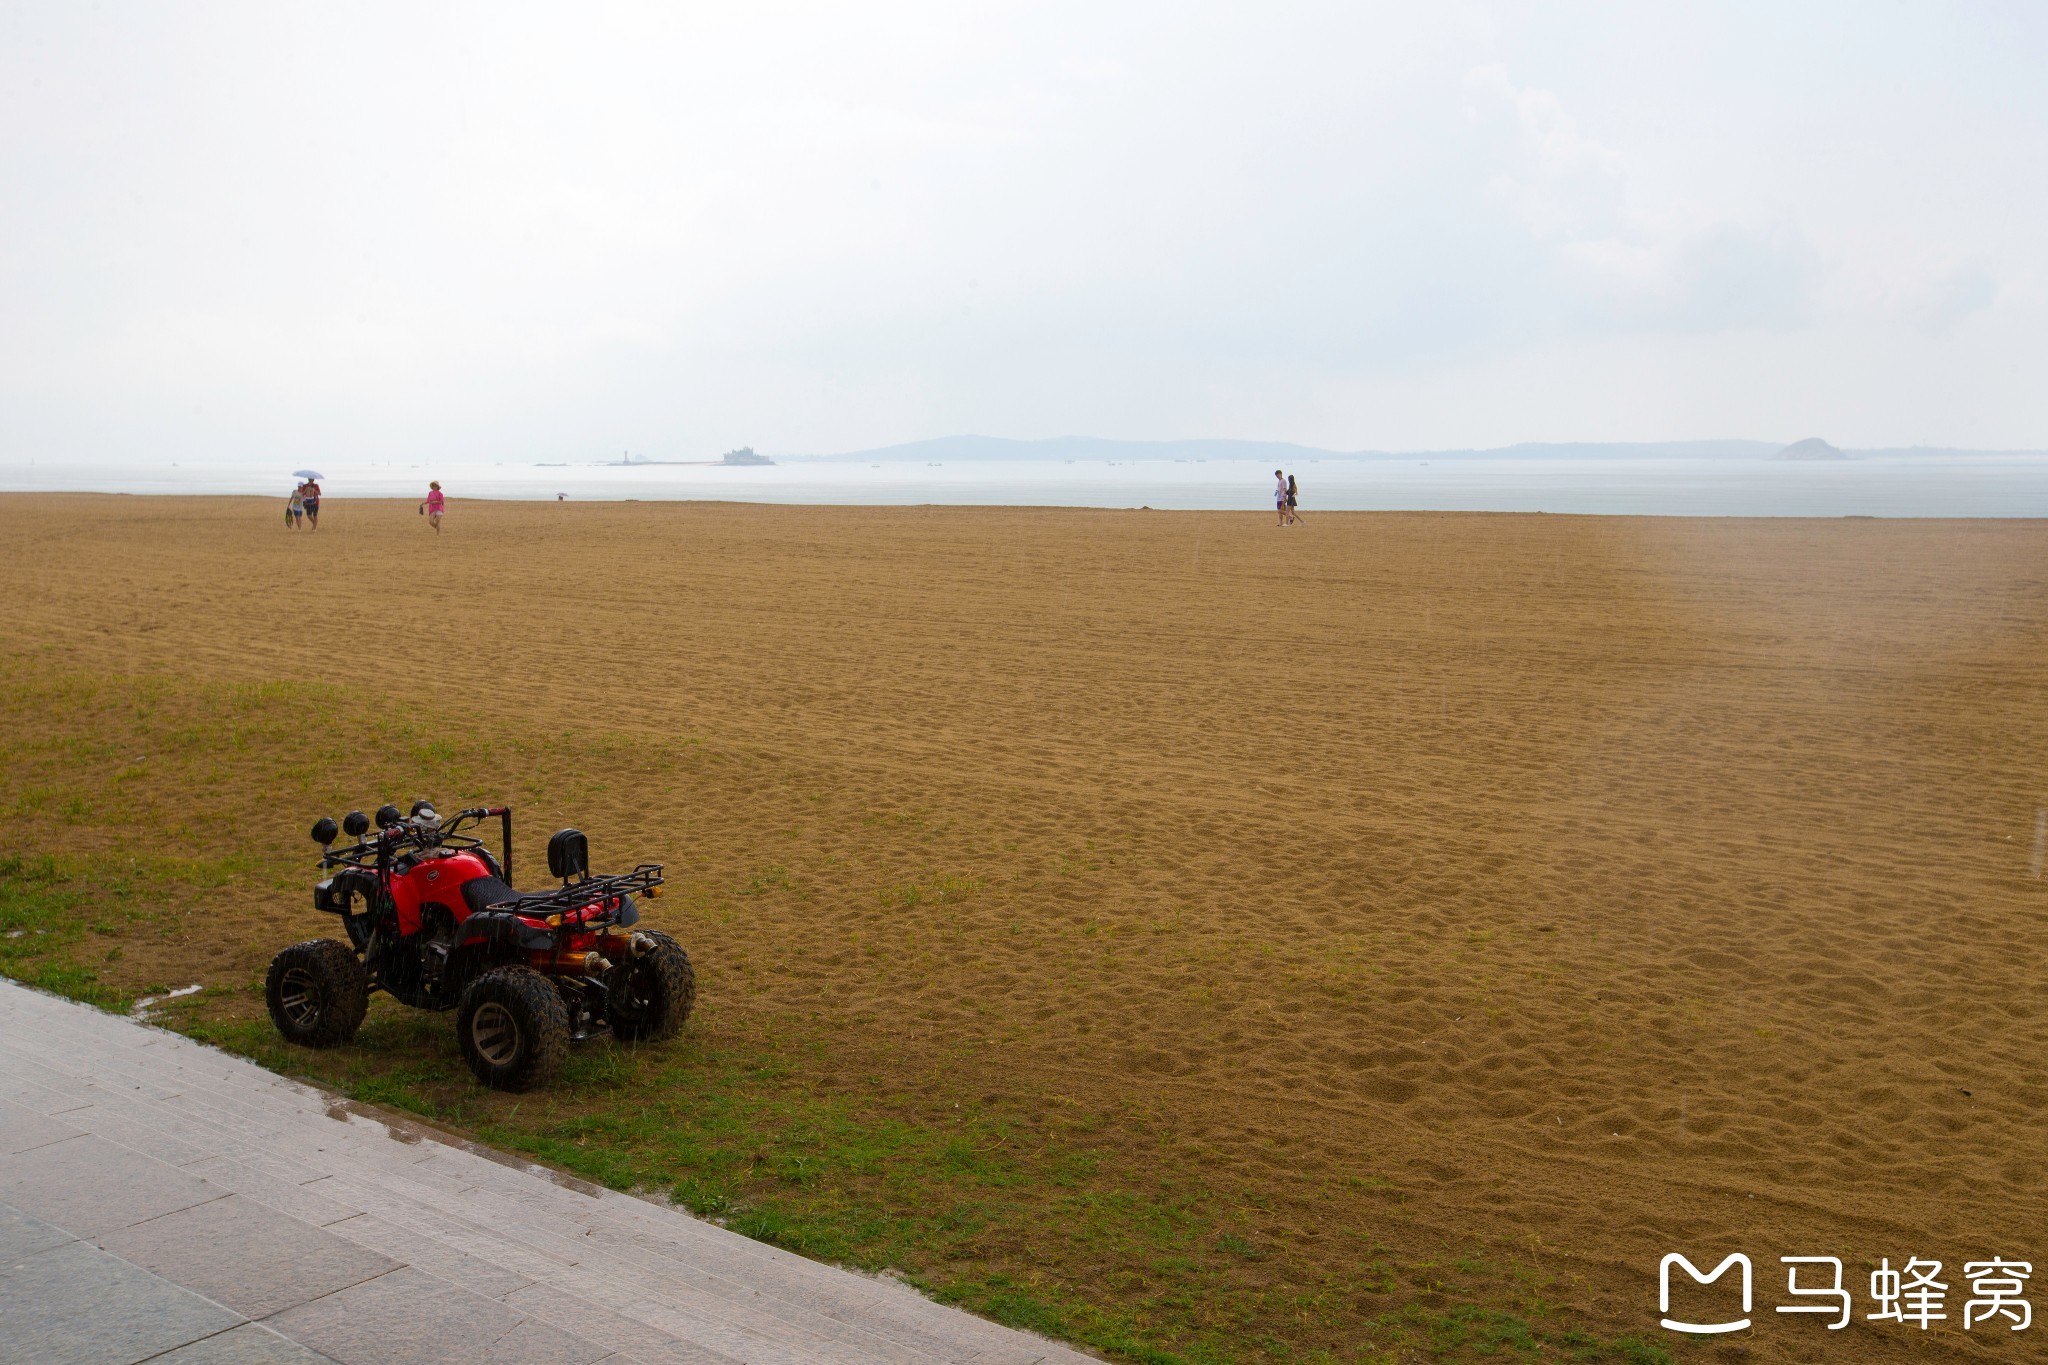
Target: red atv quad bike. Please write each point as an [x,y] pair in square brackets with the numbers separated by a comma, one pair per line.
[432,921]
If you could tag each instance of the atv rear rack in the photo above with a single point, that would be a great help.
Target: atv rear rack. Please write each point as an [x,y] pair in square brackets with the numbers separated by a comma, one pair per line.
[576,895]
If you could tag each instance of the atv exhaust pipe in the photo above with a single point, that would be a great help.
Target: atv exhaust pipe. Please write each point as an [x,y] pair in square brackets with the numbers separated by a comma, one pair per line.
[641,945]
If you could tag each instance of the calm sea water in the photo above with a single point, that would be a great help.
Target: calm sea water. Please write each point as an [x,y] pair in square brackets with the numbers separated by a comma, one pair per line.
[1889,486]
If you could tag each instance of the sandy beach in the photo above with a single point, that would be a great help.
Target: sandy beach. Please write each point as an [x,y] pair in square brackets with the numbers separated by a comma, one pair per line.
[1564,891]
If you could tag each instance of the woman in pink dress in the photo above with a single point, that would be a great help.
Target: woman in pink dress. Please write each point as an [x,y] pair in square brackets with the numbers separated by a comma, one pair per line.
[434,506]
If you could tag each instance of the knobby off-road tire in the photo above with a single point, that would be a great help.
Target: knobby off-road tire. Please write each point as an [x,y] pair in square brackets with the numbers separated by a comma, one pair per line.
[317,993]
[649,997]
[514,1028]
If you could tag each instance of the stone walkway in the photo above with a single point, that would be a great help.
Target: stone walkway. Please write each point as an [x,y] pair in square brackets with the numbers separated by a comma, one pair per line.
[161,1201]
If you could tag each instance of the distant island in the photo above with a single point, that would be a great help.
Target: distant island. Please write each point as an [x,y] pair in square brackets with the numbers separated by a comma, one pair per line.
[745,455]
[1812,448]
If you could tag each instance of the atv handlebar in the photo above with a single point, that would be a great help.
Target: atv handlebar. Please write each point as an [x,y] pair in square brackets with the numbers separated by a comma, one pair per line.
[380,845]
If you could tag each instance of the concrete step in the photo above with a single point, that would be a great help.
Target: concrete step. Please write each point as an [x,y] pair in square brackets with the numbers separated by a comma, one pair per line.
[553,1267]
[902,1322]
[603,1270]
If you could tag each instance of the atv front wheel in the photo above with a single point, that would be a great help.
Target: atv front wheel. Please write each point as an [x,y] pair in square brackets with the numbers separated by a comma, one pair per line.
[514,1028]
[317,993]
[648,997]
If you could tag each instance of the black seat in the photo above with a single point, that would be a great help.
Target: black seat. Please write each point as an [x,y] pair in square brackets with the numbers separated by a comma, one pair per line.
[569,854]
[482,892]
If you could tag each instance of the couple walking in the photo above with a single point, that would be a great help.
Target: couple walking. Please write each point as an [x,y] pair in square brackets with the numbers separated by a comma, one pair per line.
[304,502]
[1284,492]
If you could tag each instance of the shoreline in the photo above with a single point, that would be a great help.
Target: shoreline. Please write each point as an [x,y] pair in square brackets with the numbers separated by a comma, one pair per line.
[330,503]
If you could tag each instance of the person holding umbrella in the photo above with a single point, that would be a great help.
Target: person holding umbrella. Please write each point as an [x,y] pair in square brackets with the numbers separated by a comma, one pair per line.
[309,495]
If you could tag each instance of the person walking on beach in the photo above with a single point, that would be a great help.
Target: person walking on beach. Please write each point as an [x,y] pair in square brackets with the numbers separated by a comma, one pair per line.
[1280,497]
[309,495]
[1292,514]
[294,508]
[434,506]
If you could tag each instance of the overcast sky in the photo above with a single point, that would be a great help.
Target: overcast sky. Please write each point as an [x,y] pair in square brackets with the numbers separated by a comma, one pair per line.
[564,231]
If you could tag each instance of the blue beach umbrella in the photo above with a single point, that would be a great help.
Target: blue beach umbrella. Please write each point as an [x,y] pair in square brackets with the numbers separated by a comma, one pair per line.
[307,474]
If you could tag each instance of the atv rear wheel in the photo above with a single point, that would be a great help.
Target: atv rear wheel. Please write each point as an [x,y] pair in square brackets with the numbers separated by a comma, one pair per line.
[317,993]
[648,997]
[514,1028]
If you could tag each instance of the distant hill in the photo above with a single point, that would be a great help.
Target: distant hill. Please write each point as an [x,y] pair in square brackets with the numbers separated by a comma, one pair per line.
[1611,450]
[981,448]
[1812,448]
[978,449]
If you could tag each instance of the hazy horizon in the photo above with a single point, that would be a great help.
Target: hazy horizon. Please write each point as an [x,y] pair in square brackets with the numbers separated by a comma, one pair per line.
[979,448]
[1951,484]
